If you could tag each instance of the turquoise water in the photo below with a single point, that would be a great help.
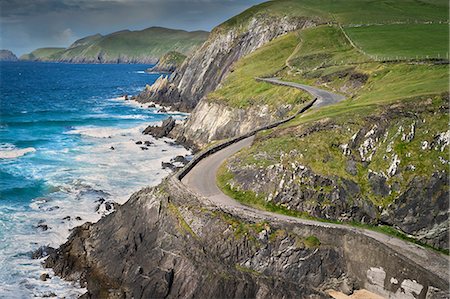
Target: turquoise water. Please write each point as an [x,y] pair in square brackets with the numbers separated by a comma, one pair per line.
[59,123]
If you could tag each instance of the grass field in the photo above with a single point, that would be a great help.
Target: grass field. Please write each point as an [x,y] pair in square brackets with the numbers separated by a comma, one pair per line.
[349,11]
[403,41]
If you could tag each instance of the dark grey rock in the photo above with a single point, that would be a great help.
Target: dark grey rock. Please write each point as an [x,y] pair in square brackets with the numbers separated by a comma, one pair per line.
[378,184]
[44,276]
[42,251]
[161,131]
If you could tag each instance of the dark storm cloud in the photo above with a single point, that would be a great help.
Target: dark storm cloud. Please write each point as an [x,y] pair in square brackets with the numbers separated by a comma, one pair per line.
[29,24]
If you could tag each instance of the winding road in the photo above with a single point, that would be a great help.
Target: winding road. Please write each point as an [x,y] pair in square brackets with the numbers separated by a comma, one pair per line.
[201,180]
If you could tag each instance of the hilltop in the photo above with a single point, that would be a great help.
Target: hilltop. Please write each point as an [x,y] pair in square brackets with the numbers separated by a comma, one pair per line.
[145,46]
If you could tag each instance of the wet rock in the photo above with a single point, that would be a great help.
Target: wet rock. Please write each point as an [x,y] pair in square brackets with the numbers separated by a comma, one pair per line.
[67,218]
[161,131]
[138,142]
[180,159]
[144,148]
[43,227]
[168,165]
[42,251]
[112,148]
[148,143]
[44,276]
[162,110]
[78,218]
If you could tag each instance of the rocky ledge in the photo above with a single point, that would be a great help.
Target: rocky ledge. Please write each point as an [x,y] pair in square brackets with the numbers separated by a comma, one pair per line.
[169,246]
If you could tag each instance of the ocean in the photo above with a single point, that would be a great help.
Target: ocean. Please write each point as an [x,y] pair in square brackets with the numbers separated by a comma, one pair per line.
[68,152]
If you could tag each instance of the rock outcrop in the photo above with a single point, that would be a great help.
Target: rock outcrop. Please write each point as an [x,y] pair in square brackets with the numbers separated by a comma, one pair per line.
[168,63]
[209,64]
[161,131]
[172,247]
[215,121]
[7,55]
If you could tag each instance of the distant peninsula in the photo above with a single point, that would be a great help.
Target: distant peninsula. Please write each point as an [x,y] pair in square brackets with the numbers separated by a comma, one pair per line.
[7,55]
[143,46]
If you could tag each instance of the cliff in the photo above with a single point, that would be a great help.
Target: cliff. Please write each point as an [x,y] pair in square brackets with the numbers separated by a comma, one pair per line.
[211,63]
[6,55]
[144,46]
[175,248]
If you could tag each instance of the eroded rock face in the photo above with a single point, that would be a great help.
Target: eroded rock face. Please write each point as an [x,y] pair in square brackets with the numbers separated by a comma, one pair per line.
[423,210]
[209,65]
[214,121]
[156,246]
[297,187]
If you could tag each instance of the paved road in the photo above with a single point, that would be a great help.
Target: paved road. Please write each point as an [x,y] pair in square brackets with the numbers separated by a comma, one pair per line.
[202,180]
[324,97]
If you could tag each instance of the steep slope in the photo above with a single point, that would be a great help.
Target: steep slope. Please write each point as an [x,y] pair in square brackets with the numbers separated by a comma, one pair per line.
[7,55]
[144,46]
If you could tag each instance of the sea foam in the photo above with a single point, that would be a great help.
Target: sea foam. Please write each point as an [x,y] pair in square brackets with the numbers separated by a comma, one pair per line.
[9,151]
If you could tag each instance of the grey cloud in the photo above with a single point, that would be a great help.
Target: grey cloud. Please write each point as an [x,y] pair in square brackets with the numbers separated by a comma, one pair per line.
[29,24]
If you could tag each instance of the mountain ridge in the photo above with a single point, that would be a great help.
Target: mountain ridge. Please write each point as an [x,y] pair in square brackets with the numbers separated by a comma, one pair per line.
[125,46]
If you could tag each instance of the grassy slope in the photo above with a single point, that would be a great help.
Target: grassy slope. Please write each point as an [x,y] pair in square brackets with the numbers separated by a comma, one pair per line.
[172,58]
[240,88]
[152,42]
[348,12]
[41,53]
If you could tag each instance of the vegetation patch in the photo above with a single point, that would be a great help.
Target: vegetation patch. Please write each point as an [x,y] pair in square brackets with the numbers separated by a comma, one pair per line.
[181,222]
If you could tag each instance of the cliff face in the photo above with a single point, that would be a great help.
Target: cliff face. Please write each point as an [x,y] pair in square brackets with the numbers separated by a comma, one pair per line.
[209,64]
[173,247]
[6,55]
[214,121]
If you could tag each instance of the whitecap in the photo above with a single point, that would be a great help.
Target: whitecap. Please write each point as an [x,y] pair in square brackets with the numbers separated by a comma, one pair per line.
[9,151]
[104,132]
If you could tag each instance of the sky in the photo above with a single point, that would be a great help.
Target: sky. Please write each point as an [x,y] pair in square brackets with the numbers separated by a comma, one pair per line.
[29,24]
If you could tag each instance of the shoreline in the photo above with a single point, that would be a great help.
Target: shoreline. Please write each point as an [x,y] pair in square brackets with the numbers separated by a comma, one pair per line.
[58,219]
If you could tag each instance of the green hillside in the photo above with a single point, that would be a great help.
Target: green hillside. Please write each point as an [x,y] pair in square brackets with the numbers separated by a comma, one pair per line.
[126,46]
[349,12]
[394,76]
[41,54]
